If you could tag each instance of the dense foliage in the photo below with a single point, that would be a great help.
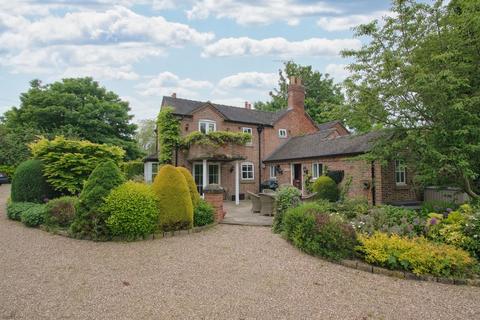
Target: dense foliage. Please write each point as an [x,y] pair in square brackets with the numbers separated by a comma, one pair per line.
[416,255]
[419,76]
[312,229]
[8,170]
[68,163]
[287,197]
[14,144]
[192,187]
[326,188]
[168,128]
[203,214]
[34,215]
[90,220]
[323,96]
[60,212]
[215,138]
[132,169]
[176,209]
[76,108]
[15,209]
[29,183]
[132,210]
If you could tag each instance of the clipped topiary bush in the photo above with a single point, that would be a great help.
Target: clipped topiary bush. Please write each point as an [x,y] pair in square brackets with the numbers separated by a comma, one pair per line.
[132,210]
[192,187]
[34,216]
[29,184]
[61,211]
[326,188]
[176,209]
[89,220]
[15,209]
[287,197]
[203,214]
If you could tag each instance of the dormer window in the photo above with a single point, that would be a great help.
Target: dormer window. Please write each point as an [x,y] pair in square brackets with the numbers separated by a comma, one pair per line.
[206,126]
[282,133]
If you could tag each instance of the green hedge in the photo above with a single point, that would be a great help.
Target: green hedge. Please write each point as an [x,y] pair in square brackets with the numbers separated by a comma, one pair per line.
[15,209]
[69,163]
[132,169]
[176,209]
[204,214]
[61,211]
[90,220]
[326,188]
[132,210]
[192,187]
[29,184]
[287,197]
[312,229]
[34,216]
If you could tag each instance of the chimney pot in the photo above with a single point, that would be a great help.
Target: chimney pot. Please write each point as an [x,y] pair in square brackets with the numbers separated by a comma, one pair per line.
[174,95]
[248,105]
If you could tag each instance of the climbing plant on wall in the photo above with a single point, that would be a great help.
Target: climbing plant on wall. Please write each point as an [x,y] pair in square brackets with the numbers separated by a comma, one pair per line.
[168,127]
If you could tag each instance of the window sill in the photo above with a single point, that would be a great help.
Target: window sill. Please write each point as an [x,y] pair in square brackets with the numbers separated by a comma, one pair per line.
[247,181]
[402,186]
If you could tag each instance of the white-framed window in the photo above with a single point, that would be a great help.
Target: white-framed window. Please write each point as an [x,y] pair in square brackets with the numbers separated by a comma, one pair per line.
[206,126]
[282,133]
[247,171]
[154,170]
[273,171]
[317,170]
[249,131]
[400,173]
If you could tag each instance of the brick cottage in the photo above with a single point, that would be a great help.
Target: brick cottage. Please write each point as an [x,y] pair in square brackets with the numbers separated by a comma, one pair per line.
[286,146]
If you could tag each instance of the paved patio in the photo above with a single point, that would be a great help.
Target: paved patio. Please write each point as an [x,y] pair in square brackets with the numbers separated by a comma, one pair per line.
[242,215]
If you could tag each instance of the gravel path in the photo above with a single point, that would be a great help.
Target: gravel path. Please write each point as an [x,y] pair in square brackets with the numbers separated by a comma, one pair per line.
[229,272]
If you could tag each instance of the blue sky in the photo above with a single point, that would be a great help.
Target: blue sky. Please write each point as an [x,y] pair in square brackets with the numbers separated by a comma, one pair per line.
[226,51]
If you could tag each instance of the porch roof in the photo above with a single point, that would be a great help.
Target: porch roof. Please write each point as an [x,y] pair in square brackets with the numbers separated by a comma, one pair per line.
[217,158]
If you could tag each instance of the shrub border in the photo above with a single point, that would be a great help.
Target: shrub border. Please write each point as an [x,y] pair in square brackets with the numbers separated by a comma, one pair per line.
[153,236]
[360,265]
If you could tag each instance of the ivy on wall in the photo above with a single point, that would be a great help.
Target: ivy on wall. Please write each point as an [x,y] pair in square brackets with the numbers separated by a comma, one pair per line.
[169,136]
[168,127]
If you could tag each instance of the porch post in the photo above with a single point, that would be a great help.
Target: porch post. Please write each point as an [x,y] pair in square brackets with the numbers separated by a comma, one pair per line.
[205,176]
[237,183]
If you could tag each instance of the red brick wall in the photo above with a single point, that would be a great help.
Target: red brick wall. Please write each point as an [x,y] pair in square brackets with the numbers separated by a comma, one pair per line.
[391,192]
[360,172]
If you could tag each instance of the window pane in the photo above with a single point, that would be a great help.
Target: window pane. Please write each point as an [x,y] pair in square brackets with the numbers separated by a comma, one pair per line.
[203,127]
[211,127]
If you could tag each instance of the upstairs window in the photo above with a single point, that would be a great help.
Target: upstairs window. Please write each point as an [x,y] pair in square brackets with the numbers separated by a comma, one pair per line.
[317,170]
[282,133]
[400,173]
[247,171]
[206,126]
[249,131]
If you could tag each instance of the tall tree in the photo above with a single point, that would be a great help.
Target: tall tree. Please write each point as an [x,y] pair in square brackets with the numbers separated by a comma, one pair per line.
[76,108]
[146,135]
[419,76]
[323,96]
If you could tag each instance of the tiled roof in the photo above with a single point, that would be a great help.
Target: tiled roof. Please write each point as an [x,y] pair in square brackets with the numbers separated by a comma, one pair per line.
[317,145]
[328,125]
[187,107]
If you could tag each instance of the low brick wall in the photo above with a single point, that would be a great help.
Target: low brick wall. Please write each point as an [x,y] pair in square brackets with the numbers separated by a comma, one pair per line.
[214,196]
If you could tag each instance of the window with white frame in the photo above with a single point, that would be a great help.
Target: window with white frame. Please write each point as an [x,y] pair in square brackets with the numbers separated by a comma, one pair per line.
[249,131]
[154,170]
[206,126]
[273,171]
[247,171]
[282,133]
[317,170]
[400,173]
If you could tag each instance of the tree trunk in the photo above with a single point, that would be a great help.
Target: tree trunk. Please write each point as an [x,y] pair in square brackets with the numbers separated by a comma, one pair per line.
[469,190]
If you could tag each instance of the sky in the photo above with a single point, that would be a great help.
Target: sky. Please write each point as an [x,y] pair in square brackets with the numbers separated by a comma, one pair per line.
[224,51]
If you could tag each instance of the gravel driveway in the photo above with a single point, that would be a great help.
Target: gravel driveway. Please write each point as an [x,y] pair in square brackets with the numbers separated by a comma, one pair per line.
[229,272]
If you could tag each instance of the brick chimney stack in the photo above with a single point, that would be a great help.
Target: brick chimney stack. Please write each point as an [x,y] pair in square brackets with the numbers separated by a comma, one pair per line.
[174,95]
[248,105]
[296,94]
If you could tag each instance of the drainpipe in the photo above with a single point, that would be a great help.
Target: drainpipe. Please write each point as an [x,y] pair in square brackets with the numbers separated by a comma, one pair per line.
[373,184]
[259,130]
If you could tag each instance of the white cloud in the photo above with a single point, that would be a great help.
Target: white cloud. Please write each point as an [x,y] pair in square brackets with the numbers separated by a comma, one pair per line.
[78,42]
[260,11]
[279,46]
[167,83]
[101,72]
[347,22]
[249,81]
[337,71]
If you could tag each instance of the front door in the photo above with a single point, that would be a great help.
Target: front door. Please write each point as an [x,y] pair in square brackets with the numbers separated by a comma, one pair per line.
[213,174]
[297,175]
